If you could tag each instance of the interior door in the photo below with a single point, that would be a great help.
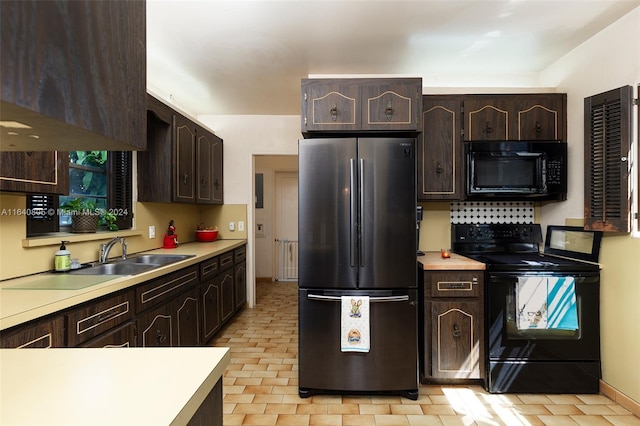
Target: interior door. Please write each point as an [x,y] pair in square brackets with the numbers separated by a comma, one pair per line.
[286,225]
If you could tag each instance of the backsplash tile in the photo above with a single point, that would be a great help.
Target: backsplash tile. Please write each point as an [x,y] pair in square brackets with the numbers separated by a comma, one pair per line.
[492,212]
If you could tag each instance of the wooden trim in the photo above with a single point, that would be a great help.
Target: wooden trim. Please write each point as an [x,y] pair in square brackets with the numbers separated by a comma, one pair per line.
[620,398]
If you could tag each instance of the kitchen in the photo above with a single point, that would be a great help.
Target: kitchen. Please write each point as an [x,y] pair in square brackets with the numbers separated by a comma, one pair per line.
[247,136]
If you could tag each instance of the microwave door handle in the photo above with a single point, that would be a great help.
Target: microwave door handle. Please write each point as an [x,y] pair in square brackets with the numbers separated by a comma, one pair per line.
[527,154]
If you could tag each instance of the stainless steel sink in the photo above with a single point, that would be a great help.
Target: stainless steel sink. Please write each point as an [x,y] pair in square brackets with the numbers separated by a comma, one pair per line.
[133,265]
[157,259]
[120,268]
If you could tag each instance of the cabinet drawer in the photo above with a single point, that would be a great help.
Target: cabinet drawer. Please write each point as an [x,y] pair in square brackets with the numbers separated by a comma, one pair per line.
[455,284]
[123,336]
[97,317]
[41,333]
[226,261]
[209,268]
[239,254]
[165,288]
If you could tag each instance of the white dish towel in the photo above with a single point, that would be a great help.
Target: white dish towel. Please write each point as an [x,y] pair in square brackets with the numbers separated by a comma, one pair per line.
[531,300]
[354,329]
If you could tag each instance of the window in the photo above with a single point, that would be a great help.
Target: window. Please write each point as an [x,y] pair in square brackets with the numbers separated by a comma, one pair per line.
[608,123]
[99,176]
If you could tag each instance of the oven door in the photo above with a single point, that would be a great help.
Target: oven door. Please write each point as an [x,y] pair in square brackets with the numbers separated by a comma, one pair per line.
[508,340]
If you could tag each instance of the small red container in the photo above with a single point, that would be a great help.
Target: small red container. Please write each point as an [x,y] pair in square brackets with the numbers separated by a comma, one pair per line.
[206,235]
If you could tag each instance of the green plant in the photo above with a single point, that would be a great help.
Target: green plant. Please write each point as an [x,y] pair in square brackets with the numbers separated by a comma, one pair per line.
[79,205]
[108,219]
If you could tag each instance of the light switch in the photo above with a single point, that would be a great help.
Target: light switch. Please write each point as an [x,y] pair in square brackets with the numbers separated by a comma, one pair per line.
[152,231]
[241,225]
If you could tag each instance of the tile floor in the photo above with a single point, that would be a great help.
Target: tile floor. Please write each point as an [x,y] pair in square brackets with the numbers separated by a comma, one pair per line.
[261,385]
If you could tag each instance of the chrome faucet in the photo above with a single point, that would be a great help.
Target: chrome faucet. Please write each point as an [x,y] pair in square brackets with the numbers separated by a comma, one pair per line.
[106,248]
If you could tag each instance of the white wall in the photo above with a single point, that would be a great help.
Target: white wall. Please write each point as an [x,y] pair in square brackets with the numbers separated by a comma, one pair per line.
[609,60]
[246,136]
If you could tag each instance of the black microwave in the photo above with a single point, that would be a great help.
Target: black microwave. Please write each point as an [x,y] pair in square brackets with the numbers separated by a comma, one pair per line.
[516,170]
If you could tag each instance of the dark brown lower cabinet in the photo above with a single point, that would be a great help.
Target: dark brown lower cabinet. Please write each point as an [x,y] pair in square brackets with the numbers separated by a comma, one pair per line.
[225,281]
[240,284]
[155,328]
[211,313]
[91,319]
[210,411]
[452,329]
[182,308]
[123,336]
[47,332]
[187,313]
[173,324]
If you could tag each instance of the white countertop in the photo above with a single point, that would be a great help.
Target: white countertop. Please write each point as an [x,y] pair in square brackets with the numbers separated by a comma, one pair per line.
[124,386]
[19,304]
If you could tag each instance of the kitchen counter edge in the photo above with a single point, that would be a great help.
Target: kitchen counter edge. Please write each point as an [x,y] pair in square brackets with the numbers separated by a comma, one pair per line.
[21,306]
[433,261]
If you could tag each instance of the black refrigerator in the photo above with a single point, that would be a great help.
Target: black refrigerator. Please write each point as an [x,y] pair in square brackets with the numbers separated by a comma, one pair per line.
[357,240]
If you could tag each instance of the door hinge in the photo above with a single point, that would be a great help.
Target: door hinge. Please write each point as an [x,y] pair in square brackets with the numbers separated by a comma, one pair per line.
[634,101]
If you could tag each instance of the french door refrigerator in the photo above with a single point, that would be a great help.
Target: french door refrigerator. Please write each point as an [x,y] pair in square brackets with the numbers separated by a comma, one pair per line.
[357,237]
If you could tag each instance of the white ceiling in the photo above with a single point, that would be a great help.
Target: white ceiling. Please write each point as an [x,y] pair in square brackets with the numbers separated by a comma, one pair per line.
[247,57]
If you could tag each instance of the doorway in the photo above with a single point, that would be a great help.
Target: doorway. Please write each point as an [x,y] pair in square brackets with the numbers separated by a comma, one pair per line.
[275,213]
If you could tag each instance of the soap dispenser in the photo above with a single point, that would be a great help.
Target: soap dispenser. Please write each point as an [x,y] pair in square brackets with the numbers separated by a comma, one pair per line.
[63,258]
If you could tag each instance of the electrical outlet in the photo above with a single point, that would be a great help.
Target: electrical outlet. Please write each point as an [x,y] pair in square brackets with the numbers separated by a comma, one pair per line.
[241,225]
[232,226]
[152,231]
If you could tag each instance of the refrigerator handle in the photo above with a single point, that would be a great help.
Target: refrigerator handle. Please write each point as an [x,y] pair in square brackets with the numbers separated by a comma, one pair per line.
[361,233]
[373,299]
[353,207]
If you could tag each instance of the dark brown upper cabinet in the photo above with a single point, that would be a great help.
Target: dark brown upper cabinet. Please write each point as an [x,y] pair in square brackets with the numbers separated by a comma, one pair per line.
[607,137]
[73,75]
[440,158]
[44,172]
[183,161]
[505,117]
[334,106]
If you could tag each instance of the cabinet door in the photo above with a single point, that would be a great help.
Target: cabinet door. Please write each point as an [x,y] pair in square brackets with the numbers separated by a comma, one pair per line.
[540,117]
[41,333]
[119,337]
[187,314]
[218,162]
[75,71]
[156,328]
[456,341]
[211,309]
[184,161]
[95,317]
[35,172]
[240,284]
[331,105]
[486,119]
[391,104]
[155,164]
[440,158]
[209,167]
[225,282]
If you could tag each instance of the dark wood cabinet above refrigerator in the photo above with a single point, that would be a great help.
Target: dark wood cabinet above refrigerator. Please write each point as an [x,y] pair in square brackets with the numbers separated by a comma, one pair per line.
[383,105]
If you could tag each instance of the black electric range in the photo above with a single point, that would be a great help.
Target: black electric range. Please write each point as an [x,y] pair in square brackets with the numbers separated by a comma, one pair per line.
[540,359]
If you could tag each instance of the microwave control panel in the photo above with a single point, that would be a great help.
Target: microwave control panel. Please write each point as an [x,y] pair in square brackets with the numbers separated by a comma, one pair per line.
[554,171]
